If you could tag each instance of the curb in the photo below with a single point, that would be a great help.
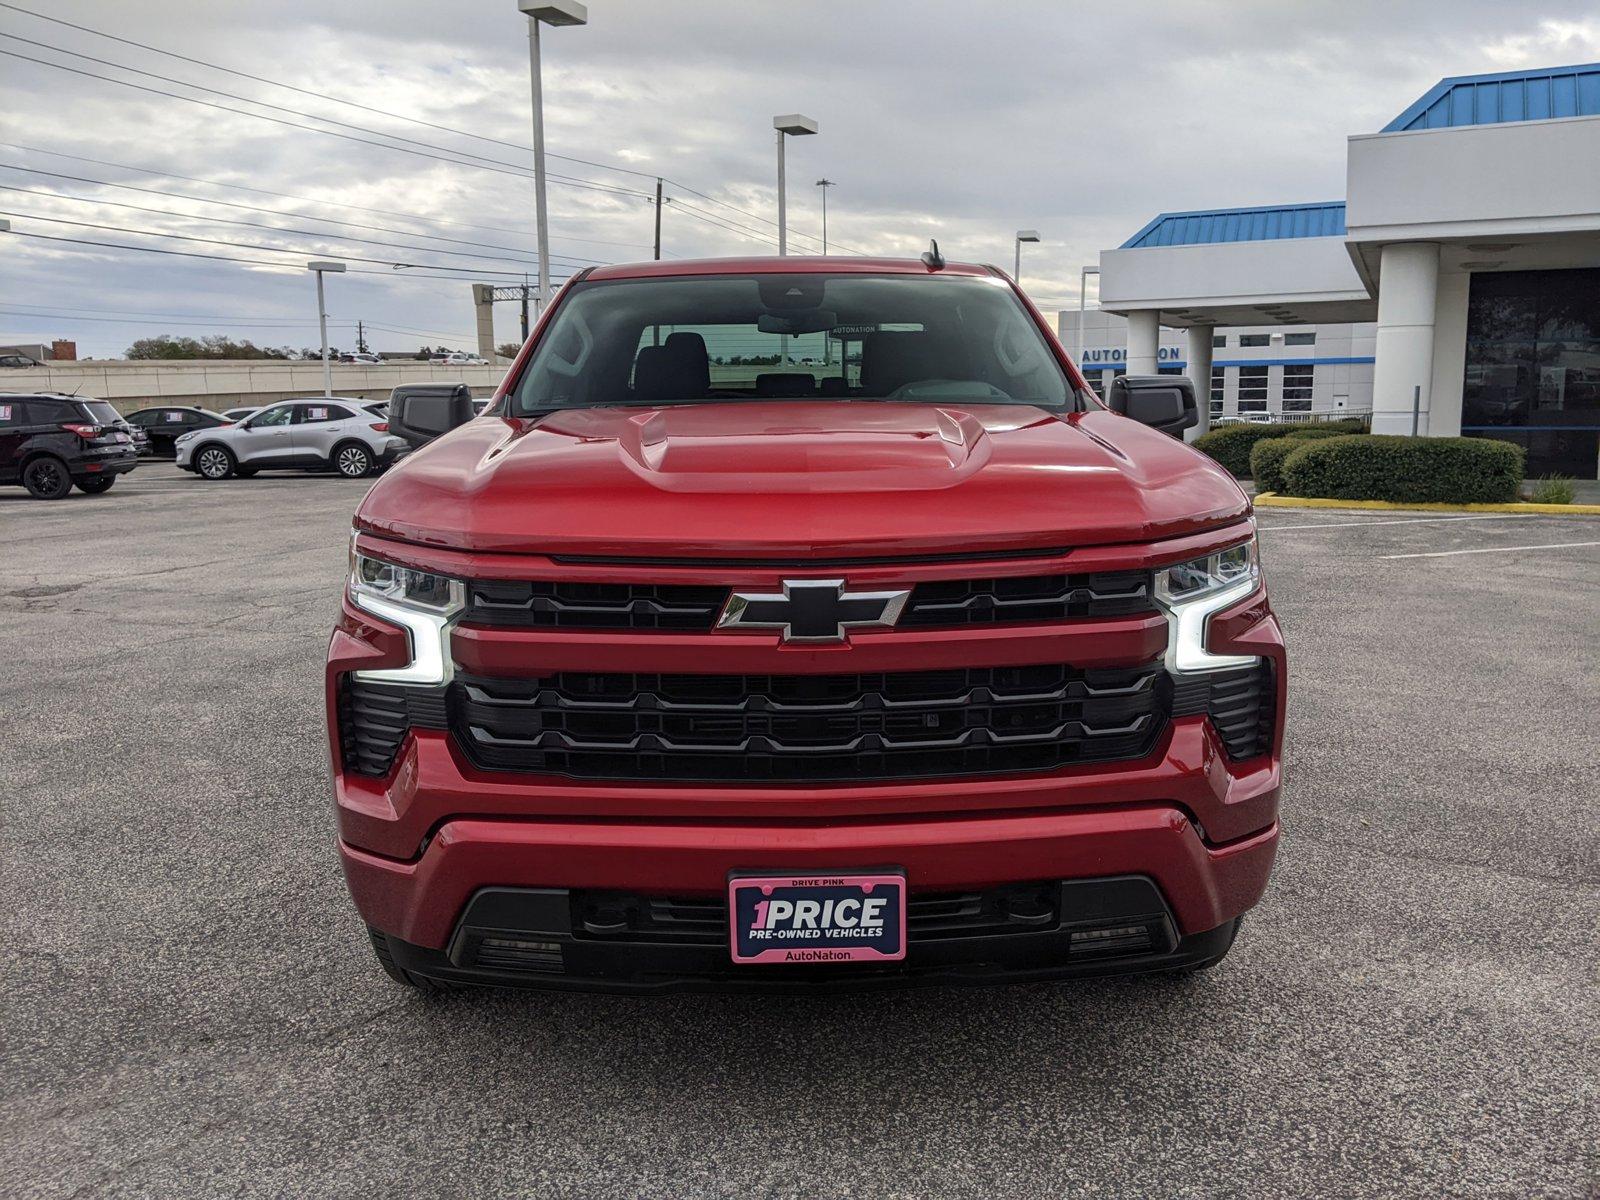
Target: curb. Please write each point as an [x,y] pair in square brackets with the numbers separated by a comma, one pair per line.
[1273,500]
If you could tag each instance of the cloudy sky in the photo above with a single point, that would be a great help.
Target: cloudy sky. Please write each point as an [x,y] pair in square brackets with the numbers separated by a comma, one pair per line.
[961,121]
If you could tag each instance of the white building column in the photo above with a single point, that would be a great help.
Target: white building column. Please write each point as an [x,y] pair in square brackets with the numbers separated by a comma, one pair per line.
[1408,290]
[1199,371]
[1144,341]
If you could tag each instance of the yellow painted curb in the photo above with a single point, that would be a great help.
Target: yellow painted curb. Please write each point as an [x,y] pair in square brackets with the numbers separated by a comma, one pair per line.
[1273,500]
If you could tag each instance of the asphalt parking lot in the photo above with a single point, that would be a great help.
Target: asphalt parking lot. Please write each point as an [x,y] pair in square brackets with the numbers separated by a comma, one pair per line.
[190,1006]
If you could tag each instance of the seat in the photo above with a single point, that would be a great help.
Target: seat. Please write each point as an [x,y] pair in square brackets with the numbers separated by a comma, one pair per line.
[891,359]
[678,369]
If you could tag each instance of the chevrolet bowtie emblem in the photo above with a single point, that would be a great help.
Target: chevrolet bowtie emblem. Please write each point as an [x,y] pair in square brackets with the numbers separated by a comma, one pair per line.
[813,610]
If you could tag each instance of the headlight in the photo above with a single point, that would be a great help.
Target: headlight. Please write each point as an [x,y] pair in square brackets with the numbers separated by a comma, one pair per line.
[403,585]
[1191,592]
[1206,576]
[422,603]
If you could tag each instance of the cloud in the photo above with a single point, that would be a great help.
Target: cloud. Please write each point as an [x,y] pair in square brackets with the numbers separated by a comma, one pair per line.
[940,119]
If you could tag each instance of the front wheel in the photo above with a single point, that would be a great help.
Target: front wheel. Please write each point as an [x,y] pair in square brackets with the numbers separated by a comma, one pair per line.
[46,479]
[214,462]
[352,460]
[96,484]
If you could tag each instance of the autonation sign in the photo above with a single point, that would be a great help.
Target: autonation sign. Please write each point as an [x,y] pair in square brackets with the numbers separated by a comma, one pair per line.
[1116,356]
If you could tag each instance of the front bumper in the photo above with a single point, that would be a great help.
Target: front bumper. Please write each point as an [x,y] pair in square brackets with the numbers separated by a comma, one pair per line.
[423,844]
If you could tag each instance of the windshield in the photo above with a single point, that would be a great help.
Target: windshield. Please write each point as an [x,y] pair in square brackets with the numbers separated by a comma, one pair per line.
[914,338]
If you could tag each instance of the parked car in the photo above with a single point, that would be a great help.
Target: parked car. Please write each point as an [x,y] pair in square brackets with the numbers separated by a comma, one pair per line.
[20,361]
[163,426]
[239,414]
[939,670]
[51,442]
[325,432]
[360,357]
[458,359]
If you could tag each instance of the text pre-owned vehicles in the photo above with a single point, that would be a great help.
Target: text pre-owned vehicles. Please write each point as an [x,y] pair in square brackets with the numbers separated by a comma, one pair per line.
[912,664]
[49,442]
[164,426]
[327,431]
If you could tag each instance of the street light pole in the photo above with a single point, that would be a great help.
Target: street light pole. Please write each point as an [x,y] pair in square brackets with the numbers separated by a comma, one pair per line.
[1023,235]
[1083,292]
[796,125]
[824,184]
[555,13]
[320,266]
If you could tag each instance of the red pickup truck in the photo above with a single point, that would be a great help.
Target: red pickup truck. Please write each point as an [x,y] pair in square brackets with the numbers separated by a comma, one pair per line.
[804,623]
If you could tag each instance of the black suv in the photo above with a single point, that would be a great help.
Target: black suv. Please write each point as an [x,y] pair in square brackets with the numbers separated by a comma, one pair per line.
[50,442]
[165,425]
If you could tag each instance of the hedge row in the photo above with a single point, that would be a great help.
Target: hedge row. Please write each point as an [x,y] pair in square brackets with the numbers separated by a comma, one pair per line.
[1231,444]
[1404,470]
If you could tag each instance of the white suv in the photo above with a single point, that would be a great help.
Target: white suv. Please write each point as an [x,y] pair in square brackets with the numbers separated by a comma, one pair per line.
[323,431]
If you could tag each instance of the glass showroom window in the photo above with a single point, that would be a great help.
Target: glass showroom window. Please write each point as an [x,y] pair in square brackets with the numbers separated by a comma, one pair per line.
[1218,383]
[1297,381]
[1255,339]
[1299,339]
[1252,389]
[1218,341]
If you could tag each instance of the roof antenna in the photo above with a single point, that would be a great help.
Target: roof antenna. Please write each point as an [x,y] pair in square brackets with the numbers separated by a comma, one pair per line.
[931,258]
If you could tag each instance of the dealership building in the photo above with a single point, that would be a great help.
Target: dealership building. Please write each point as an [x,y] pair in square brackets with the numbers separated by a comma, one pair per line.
[1454,291]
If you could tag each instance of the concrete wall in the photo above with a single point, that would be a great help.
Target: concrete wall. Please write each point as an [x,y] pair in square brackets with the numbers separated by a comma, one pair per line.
[223,384]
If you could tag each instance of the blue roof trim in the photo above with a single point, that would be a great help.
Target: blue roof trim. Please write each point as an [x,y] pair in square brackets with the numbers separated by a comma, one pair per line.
[1533,95]
[1267,223]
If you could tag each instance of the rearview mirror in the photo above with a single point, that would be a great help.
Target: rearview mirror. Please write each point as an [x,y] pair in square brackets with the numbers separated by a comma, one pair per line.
[420,412]
[808,320]
[1164,402]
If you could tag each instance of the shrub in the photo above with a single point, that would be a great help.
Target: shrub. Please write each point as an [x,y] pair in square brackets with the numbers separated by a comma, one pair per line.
[1406,470]
[1231,444]
[1266,462]
[1552,489]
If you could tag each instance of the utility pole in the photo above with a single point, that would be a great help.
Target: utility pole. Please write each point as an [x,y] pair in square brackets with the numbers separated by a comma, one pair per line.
[658,218]
[361,336]
[824,184]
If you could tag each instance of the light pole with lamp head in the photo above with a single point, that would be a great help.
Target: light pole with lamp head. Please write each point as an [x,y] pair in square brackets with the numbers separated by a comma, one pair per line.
[1023,235]
[555,13]
[322,266]
[1083,292]
[795,125]
[825,184]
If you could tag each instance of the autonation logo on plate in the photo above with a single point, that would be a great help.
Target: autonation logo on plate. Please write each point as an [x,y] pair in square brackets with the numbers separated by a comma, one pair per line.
[817,918]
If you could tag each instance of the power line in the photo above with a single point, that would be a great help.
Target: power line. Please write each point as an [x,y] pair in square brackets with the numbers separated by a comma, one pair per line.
[256,262]
[683,187]
[334,237]
[200,62]
[240,187]
[135,316]
[486,165]
[184,237]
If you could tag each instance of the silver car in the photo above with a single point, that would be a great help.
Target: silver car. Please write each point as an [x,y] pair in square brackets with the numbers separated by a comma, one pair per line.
[323,431]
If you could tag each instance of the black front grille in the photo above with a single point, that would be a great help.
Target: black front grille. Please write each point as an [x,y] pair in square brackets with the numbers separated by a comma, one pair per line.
[1241,703]
[1013,909]
[374,717]
[782,728]
[1032,598]
[1029,598]
[594,605]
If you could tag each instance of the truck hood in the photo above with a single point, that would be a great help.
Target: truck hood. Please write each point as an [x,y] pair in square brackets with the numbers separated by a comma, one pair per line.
[800,479]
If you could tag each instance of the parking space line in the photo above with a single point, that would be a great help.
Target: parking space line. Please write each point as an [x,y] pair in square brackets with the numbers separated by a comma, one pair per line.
[1492,550]
[1401,521]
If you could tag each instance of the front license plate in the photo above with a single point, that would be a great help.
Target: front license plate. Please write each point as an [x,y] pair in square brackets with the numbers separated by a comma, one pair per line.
[818,918]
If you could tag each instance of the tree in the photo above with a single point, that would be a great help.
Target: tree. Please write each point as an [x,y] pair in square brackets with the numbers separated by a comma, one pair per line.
[508,349]
[165,346]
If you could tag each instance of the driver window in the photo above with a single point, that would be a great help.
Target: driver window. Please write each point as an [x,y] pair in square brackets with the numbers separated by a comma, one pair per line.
[273,416]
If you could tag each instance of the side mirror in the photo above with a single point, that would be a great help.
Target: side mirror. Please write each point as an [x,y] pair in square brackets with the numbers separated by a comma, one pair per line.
[420,412]
[1164,402]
